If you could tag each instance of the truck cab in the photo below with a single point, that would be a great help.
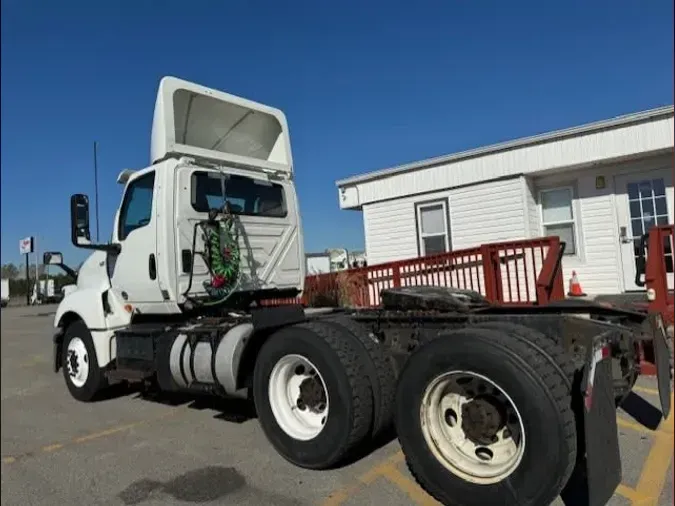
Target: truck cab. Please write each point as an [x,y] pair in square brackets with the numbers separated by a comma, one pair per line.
[208,148]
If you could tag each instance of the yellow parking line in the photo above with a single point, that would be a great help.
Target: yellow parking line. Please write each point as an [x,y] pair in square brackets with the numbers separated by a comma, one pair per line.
[52,448]
[629,493]
[637,427]
[655,470]
[34,360]
[379,469]
[373,473]
[341,495]
[10,459]
[109,432]
[645,390]
[384,469]
[411,488]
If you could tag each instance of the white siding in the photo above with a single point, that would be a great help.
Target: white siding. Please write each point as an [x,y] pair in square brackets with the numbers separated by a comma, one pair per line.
[598,264]
[508,209]
[575,151]
[533,218]
[390,230]
[488,212]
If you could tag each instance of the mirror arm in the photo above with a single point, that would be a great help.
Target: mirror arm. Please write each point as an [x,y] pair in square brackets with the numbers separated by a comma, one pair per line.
[70,272]
[112,248]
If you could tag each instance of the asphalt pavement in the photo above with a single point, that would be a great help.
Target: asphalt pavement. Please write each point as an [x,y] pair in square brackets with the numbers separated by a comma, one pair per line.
[127,450]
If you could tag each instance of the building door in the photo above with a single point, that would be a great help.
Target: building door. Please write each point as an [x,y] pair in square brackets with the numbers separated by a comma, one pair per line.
[644,199]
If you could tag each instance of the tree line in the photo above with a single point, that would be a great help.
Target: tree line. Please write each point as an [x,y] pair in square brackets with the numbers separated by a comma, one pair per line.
[20,286]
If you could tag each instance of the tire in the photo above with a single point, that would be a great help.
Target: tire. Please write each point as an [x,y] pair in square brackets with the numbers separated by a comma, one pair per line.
[349,405]
[84,389]
[542,400]
[545,345]
[621,389]
[380,372]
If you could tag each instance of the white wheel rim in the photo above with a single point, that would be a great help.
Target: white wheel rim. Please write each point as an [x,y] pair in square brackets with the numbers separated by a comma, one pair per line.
[77,362]
[299,419]
[441,414]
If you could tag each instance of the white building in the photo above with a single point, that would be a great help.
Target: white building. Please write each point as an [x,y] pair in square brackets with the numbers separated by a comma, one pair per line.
[333,260]
[596,186]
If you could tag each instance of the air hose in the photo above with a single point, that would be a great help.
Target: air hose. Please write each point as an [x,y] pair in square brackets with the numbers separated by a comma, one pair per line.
[223,256]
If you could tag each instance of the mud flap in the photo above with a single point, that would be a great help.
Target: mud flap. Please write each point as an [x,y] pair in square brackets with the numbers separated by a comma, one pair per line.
[594,483]
[662,362]
[58,342]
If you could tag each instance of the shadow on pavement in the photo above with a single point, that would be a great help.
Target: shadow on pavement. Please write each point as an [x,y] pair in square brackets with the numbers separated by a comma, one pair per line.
[230,410]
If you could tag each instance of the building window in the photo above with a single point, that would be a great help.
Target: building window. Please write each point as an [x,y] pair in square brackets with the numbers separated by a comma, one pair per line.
[432,228]
[557,216]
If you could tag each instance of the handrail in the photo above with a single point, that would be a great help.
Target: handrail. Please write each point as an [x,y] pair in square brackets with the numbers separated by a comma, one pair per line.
[656,273]
[550,283]
[517,272]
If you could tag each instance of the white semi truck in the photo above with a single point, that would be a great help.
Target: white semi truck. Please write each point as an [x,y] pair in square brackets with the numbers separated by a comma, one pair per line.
[56,258]
[4,298]
[494,405]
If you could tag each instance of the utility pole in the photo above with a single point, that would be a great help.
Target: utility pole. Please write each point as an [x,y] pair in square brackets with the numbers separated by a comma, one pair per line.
[96,187]
[27,279]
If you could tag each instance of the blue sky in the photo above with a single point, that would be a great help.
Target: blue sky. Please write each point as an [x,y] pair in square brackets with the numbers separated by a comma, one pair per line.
[363,87]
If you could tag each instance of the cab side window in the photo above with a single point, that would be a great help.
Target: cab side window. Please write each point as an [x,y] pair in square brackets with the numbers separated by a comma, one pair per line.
[137,205]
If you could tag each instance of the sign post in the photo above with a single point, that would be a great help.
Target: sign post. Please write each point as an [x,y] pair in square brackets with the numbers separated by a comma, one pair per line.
[26,248]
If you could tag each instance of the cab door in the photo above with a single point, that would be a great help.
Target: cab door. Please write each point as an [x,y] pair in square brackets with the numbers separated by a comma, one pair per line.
[133,272]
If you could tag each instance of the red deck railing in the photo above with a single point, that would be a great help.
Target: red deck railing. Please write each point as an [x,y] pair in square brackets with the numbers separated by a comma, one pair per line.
[523,272]
[658,267]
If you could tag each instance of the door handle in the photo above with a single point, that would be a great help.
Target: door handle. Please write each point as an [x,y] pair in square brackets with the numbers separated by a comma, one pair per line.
[623,235]
[152,267]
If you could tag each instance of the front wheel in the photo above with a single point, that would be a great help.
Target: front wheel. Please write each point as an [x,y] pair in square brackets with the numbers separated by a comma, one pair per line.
[312,396]
[84,378]
[485,418]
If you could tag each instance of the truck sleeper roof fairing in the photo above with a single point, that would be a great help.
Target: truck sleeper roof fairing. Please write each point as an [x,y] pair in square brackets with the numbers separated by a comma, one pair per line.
[195,121]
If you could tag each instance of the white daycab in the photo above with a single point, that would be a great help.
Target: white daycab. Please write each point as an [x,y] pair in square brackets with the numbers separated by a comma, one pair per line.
[137,312]
[198,134]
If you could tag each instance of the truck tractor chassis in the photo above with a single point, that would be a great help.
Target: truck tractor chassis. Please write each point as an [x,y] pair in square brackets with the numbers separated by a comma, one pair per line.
[477,394]
[492,405]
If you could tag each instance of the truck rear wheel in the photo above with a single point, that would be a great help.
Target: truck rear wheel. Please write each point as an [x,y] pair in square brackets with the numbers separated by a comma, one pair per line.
[486,418]
[83,376]
[312,395]
[379,370]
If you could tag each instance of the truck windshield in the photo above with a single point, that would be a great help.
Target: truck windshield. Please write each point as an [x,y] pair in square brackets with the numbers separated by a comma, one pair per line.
[246,196]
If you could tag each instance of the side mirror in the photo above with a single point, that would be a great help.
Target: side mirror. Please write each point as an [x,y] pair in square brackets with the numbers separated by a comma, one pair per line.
[56,258]
[79,220]
[52,258]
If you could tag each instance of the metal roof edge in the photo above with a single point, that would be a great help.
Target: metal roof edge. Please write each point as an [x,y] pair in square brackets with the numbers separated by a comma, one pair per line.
[618,121]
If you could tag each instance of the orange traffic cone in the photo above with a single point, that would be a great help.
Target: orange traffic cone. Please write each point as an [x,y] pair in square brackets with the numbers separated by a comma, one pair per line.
[575,287]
